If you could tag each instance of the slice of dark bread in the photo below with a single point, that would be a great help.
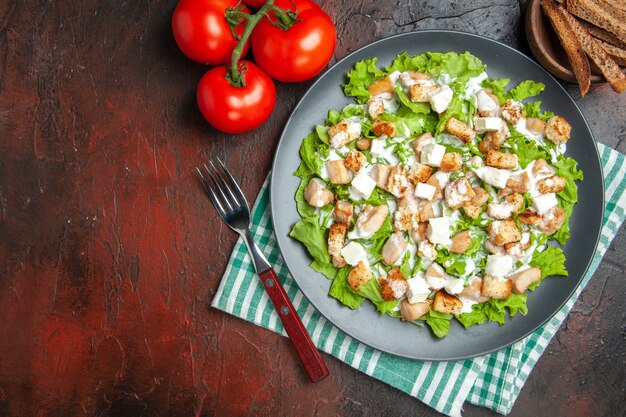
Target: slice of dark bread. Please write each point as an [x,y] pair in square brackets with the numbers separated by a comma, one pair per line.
[595,13]
[597,53]
[618,54]
[571,44]
[602,34]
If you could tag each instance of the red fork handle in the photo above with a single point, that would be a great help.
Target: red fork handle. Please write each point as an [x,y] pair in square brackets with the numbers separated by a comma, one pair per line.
[308,353]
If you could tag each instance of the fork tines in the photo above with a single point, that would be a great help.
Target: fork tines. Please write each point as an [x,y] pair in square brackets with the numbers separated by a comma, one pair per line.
[225,193]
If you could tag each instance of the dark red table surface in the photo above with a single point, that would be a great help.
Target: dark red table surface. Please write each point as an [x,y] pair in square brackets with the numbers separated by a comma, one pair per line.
[110,252]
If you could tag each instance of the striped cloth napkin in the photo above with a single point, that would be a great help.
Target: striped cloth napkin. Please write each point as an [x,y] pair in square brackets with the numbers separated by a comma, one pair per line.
[492,381]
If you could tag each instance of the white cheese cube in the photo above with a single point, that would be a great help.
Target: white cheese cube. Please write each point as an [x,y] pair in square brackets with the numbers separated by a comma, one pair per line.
[498,265]
[439,230]
[353,253]
[432,154]
[484,124]
[544,202]
[440,99]
[417,291]
[494,176]
[425,191]
[377,148]
[484,102]
[362,186]
[454,285]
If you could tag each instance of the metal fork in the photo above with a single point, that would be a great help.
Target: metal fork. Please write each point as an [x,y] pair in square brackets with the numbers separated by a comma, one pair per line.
[232,206]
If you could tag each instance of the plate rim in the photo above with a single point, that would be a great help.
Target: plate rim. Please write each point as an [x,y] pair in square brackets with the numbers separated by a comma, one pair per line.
[273,179]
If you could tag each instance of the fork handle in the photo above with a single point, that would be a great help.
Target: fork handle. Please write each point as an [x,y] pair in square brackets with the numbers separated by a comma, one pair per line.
[308,353]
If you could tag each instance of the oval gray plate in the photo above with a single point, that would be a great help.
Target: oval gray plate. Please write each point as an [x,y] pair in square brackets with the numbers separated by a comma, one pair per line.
[392,335]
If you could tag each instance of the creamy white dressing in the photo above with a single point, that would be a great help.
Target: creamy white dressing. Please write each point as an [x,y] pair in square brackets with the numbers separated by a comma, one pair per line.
[473,85]
[467,304]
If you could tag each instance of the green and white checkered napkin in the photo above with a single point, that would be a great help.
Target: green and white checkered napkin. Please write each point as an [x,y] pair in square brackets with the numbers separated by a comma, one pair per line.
[492,381]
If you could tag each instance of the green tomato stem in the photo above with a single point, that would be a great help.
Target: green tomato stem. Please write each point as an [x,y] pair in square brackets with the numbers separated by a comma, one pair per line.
[236,76]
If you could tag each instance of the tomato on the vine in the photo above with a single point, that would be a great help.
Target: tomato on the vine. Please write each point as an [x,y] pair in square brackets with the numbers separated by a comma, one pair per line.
[236,109]
[297,53]
[202,33]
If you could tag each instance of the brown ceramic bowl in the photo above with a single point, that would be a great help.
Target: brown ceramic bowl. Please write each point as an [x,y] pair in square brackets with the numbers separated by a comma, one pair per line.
[546,47]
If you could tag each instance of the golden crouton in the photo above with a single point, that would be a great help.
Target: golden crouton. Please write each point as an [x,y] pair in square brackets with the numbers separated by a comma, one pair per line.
[384,128]
[419,173]
[417,143]
[394,285]
[406,217]
[419,93]
[359,275]
[451,162]
[343,211]
[458,192]
[553,184]
[397,182]
[480,196]
[316,193]
[504,231]
[558,130]
[363,144]
[494,249]
[472,210]
[512,111]
[521,280]
[337,172]
[383,85]
[380,174]
[535,126]
[375,107]
[529,217]
[446,303]
[516,249]
[355,160]
[336,238]
[519,183]
[496,288]
[426,211]
[552,220]
[460,130]
[501,160]
[411,312]
[461,242]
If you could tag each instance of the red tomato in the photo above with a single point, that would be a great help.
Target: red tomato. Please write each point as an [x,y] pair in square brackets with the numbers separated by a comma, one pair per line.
[236,109]
[255,4]
[300,52]
[202,33]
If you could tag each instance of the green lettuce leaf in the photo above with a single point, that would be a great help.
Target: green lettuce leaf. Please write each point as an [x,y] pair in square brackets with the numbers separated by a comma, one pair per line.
[526,149]
[497,87]
[526,89]
[313,236]
[551,262]
[372,291]
[340,289]
[438,322]
[304,208]
[567,168]
[311,162]
[495,310]
[534,110]
[360,78]
[351,110]
[325,268]
[420,108]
